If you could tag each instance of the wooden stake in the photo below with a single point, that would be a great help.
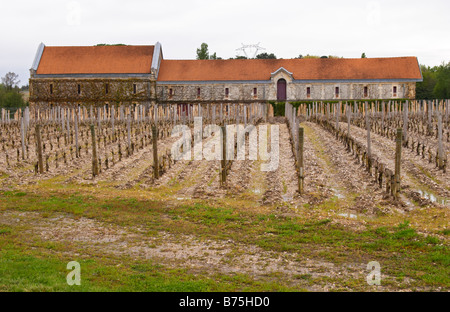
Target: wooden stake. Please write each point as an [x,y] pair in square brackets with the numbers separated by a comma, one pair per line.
[440,145]
[155,152]
[398,156]
[223,177]
[349,112]
[369,151]
[39,148]
[129,133]
[95,167]
[300,160]
[22,134]
[76,133]
[405,122]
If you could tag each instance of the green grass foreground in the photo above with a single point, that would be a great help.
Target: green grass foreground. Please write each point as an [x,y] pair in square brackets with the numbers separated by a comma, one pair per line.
[30,263]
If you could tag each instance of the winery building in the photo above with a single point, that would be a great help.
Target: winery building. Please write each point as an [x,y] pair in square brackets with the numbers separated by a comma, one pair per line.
[124,74]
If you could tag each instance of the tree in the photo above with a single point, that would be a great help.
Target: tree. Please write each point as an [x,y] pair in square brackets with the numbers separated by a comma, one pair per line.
[265,55]
[442,88]
[363,55]
[10,98]
[307,56]
[425,88]
[214,57]
[10,80]
[202,53]
[240,57]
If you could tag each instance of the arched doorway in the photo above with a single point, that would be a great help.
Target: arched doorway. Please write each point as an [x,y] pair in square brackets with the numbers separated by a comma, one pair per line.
[281,90]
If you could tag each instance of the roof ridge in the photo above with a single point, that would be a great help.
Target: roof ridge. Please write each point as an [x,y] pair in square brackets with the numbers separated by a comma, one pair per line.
[103,46]
[281,59]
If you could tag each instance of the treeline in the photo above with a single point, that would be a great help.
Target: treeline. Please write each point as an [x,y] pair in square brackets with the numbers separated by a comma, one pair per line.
[11,97]
[435,84]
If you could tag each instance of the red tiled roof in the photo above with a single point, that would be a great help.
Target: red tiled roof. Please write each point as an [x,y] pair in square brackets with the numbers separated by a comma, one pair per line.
[96,60]
[302,69]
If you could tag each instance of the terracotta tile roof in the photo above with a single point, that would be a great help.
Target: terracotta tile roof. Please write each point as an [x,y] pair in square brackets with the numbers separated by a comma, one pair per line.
[96,60]
[302,69]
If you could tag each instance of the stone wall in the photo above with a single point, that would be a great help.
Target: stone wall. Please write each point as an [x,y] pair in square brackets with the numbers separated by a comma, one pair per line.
[212,92]
[89,90]
[295,91]
[121,90]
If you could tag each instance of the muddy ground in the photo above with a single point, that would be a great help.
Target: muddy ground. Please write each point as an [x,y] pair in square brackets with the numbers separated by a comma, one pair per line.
[332,175]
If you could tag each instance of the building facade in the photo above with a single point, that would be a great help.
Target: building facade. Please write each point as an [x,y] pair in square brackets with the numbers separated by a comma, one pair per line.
[140,75]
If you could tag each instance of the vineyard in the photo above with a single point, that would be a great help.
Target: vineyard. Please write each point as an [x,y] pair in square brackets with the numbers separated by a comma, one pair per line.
[342,165]
[131,146]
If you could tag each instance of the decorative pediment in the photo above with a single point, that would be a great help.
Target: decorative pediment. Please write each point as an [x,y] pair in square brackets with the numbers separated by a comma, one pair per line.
[282,73]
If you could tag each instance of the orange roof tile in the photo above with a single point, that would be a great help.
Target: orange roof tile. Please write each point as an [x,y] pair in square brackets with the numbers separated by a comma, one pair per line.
[302,69]
[96,60]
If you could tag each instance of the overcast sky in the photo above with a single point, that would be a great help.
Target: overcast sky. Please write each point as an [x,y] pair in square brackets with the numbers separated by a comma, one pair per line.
[286,28]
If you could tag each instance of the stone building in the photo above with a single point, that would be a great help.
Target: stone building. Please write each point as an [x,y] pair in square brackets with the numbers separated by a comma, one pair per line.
[140,74]
[94,75]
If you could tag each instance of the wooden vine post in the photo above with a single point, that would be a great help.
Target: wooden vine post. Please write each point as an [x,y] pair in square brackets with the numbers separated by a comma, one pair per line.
[155,152]
[300,160]
[369,151]
[440,145]
[405,123]
[22,135]
[349,111]
[129,134]
[95,168]
[39,149]
[398,156]
[76,134]
[223,176]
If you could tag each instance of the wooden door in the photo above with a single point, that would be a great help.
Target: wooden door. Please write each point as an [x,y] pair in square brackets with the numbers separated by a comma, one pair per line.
[281,89]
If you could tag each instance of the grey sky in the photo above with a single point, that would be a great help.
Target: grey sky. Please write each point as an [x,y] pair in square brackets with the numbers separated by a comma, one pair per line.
[286,28]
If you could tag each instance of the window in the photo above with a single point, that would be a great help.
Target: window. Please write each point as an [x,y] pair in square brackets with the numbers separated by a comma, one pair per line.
[336,92]
[366,91]
[308,92]
[198,91]
[134,88]
[227,92]
[106,89]
[394,90]
[255,92]
[79,89]
[170,93]
[51,88]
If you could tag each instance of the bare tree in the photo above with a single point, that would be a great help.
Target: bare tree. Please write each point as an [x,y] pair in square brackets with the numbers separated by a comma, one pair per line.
[10,80]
